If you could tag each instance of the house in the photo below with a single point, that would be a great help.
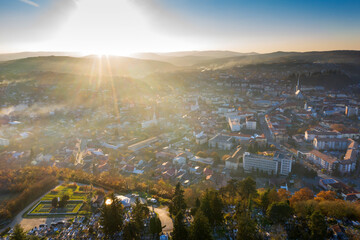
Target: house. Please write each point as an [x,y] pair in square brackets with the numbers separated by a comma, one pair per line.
[221,141]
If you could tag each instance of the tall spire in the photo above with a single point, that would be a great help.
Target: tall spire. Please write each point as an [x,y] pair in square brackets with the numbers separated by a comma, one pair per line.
[298,84]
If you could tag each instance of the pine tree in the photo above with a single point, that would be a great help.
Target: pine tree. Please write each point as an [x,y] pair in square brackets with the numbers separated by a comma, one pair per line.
[200,228]
[130,231]
[178,203]
[246,227]
[140,213]
[112,216]
[18,233]
[180,231]
[155,226]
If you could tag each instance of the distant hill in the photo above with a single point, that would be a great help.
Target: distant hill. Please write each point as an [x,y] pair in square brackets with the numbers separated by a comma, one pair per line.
[116,66]
[189,58]
[14,56]
[329,57]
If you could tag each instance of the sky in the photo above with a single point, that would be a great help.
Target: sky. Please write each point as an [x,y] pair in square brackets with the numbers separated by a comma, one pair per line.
[122,27]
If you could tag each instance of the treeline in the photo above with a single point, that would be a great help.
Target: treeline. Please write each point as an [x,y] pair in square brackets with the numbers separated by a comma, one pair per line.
[240,211]
[32,182]
[10,208]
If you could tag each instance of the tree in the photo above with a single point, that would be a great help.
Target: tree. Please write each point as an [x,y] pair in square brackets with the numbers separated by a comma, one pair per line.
[177,203]
[246,227]
[283,194]
[140,213]
[130,231]
[216,157]
[211,206]
[200,227]
[111,217]
[18,233]
[265,200]
[302,195]
[63,201]
[155,226]
[180,231]
[279,212]
[317,226]
[326,195]
[297,230]
[54,202]
[247,188]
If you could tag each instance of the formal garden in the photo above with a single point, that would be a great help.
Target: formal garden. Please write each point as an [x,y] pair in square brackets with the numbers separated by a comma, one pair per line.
[65,199]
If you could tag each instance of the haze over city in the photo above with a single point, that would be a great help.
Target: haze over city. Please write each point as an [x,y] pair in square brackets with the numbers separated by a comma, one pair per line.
[179,119]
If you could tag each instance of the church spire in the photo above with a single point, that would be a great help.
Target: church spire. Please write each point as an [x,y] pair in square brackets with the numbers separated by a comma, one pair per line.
[298,87]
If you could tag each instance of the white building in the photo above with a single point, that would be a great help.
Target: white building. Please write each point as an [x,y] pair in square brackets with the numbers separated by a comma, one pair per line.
[311,134]
[254,162]
[279,164]
[150,123]
[330,143]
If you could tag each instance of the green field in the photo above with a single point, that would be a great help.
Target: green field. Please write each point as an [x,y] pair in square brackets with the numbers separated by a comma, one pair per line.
[74,206]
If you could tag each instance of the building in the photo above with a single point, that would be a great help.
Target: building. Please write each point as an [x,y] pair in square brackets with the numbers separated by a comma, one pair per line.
[149,123]
[234,124]
[255,162]
[285,162]
[280,163]
[325,161]
[351,111]
[143,144]
[348,164]
[330,143]
[201,140]
[251,123]
[180,159]
[233,162]
[221,141]
[311,134]
[207,161]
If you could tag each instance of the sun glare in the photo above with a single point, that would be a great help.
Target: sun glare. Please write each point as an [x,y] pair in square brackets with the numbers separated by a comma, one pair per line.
[113,27]
[108,201]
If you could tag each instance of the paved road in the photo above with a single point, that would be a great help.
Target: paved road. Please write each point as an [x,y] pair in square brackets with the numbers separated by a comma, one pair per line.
[165,219]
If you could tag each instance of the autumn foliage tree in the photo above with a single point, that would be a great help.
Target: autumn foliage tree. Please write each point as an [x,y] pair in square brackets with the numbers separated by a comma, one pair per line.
[302,195]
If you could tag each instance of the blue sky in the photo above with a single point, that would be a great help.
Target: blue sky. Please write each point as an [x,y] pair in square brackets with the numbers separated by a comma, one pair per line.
[125,26]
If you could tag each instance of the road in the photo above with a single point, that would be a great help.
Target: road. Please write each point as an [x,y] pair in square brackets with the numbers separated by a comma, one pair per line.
[27,224]
[165,219]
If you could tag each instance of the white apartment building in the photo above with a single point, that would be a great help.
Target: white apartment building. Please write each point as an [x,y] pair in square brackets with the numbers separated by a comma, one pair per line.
[279,164]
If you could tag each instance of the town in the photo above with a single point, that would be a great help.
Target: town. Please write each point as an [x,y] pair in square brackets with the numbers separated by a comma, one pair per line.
[210,128]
